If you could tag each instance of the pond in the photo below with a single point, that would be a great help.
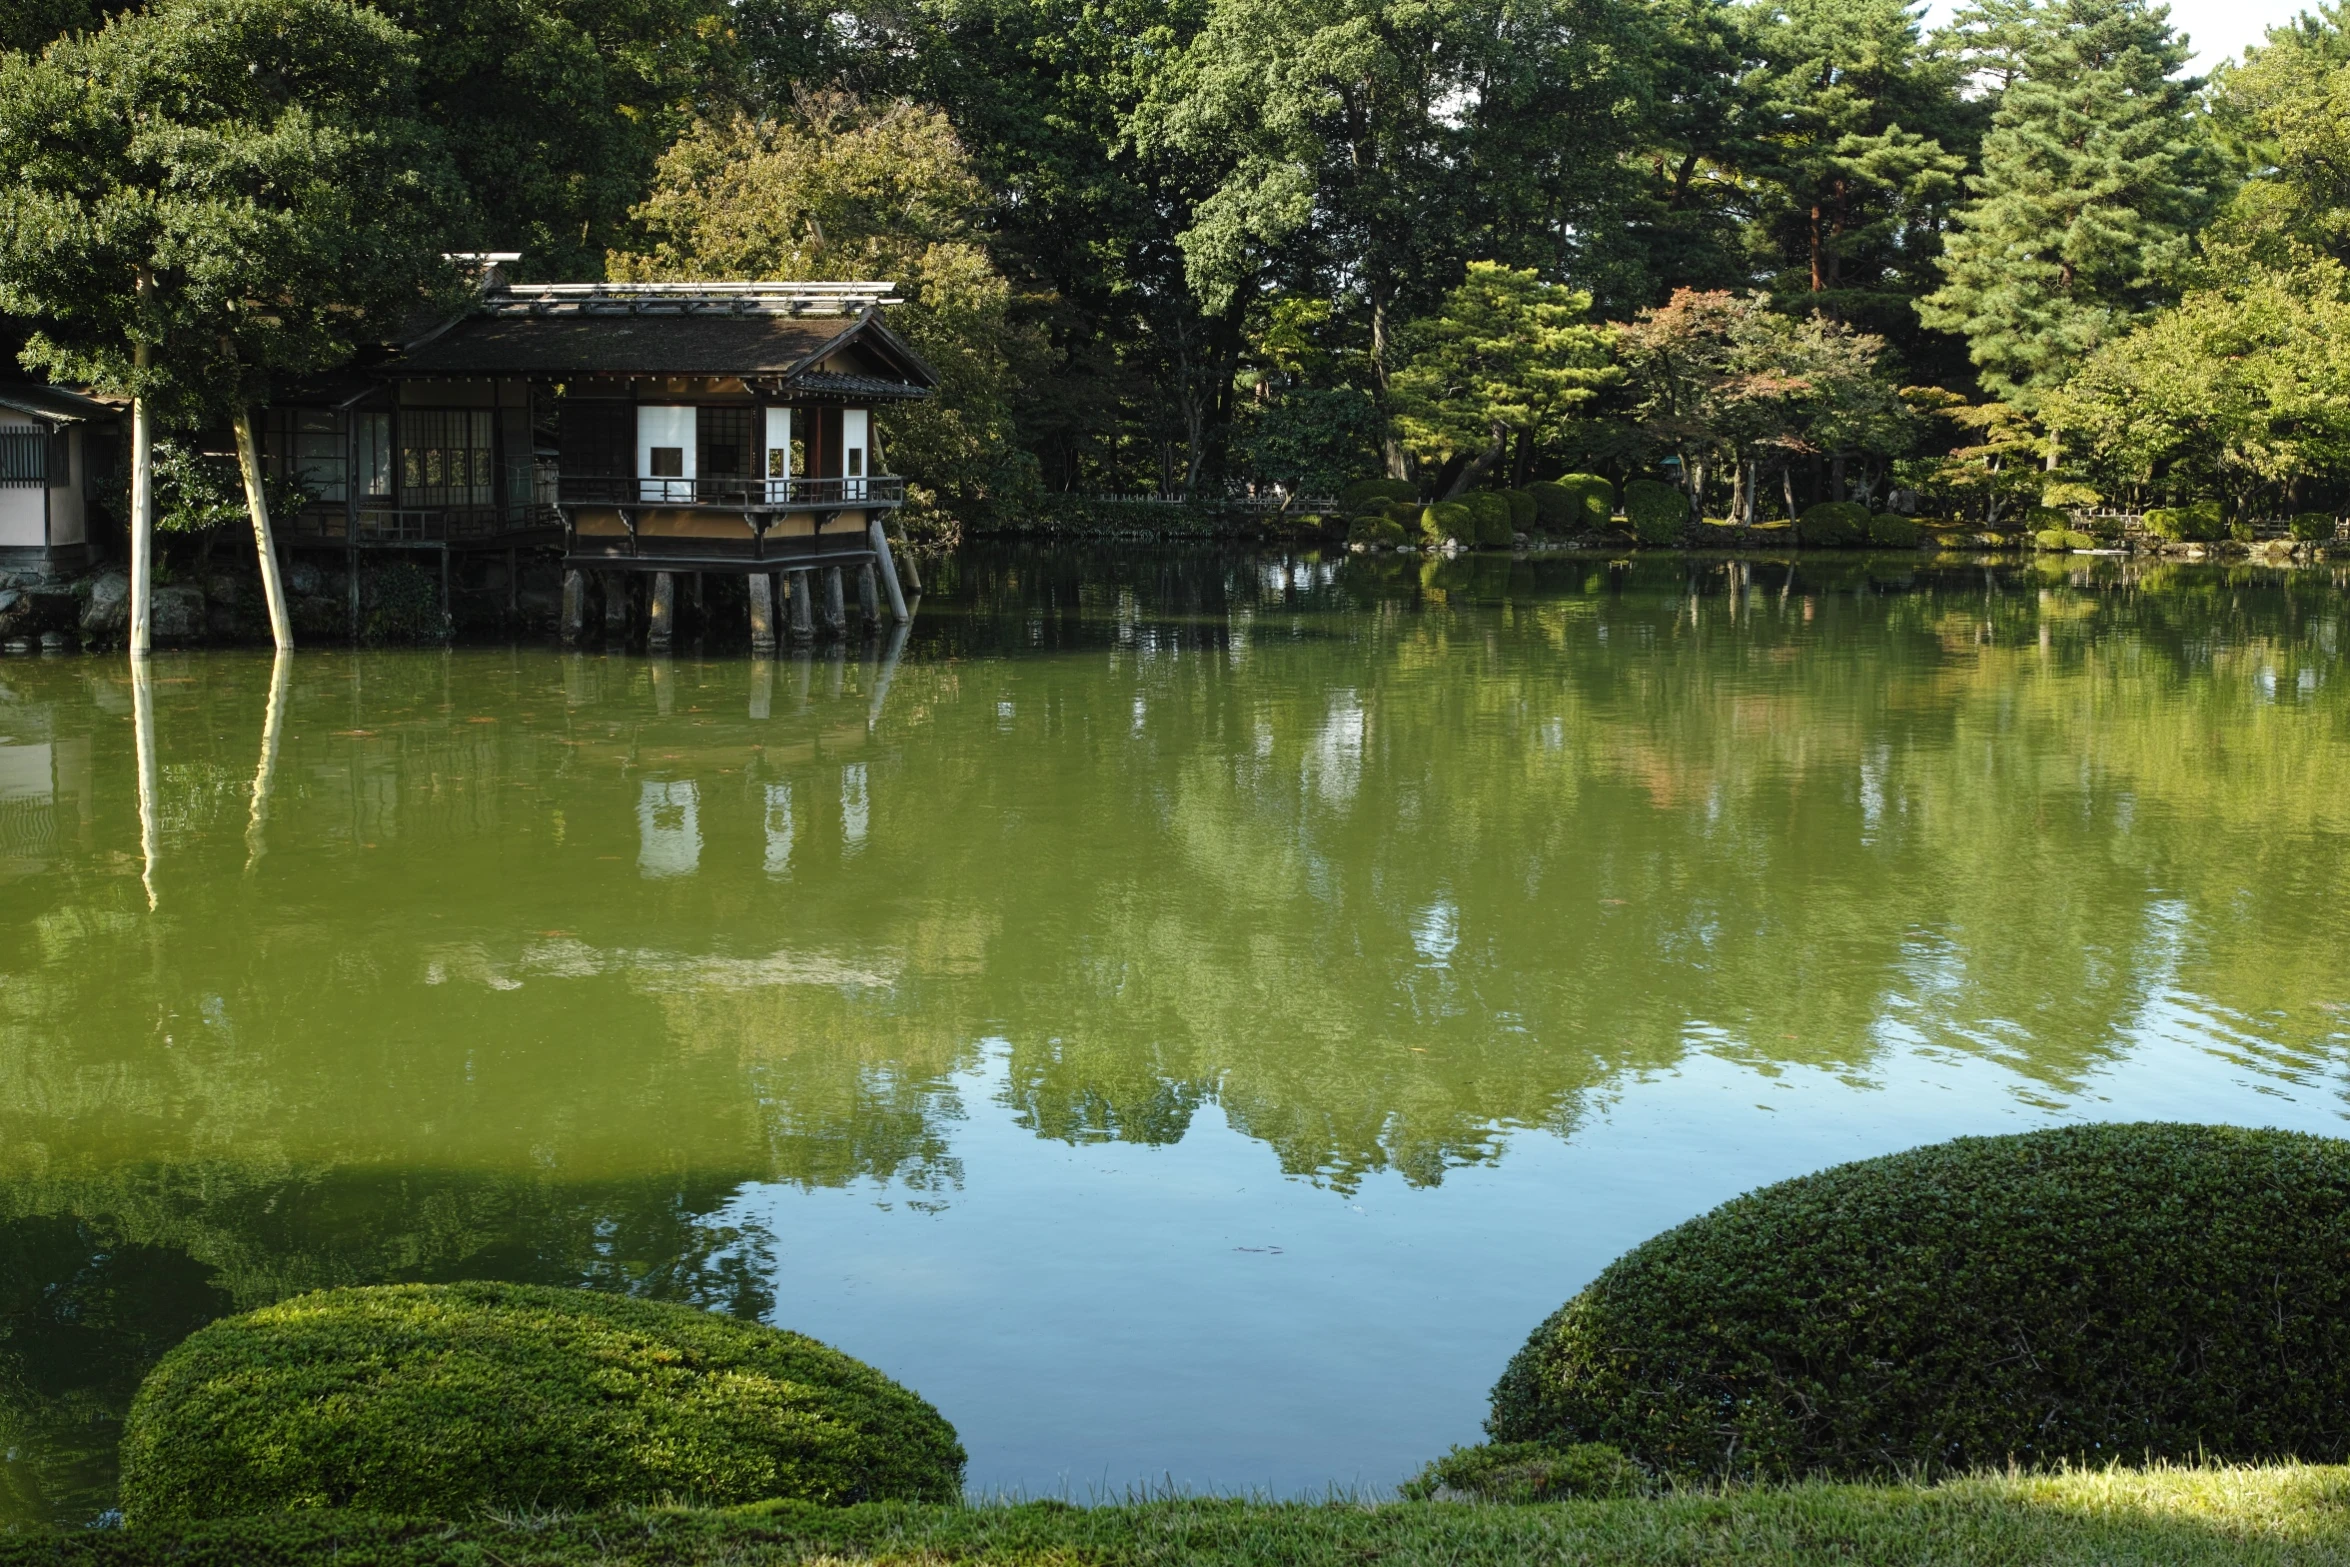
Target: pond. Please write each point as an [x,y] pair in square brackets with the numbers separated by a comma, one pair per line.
[1187,1015]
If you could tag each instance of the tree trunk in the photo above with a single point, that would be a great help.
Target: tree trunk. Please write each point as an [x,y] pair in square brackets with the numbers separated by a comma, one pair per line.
[1787,487]
[273,588]
[1398,465]
[1738,488]
[1480,465]
[1836,477]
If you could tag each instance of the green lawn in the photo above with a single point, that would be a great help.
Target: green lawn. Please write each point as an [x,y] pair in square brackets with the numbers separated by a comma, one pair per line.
[2286,1513]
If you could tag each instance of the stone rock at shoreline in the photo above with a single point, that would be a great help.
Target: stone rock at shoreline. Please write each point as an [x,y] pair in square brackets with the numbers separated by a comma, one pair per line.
[178,613]
[108,612]
[318,616]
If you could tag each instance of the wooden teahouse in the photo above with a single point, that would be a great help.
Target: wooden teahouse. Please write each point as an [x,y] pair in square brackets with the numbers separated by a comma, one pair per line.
[644,429]
[50,451]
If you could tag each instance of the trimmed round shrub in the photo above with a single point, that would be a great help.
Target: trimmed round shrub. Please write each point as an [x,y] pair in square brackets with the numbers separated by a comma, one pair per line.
[1578,503]
[1890,530]
[2197,524]
[2311,527]
[1448,520]
[1490,514]
[1834,524]
[1521,510]
[1376,528]
[1595,501]
[1527,1472]
[442,1400]
[2080,1294]
[1657,511]
[1370,494]
[2062,539]
[1554,506]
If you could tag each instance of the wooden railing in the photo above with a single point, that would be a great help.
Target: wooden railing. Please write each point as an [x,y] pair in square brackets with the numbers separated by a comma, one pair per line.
[801,494]
[374,524]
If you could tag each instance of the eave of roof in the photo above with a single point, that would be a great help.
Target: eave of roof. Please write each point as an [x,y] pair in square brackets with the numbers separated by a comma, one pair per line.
[52,402]
[768,348]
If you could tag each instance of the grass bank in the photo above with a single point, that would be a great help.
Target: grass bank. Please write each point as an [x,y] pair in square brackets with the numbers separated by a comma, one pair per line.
[2172,1516]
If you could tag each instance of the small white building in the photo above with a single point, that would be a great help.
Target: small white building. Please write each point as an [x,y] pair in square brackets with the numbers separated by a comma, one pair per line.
[50,440]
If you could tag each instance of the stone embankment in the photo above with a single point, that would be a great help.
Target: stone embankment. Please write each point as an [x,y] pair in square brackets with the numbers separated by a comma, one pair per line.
[399,600]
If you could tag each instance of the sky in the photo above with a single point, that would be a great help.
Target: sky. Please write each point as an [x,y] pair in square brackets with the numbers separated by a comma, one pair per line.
[2220,28]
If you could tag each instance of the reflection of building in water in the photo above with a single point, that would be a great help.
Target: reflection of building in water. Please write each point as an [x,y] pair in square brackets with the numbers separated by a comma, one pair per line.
[779,829]
[855,805]
[669,828]
[34,780]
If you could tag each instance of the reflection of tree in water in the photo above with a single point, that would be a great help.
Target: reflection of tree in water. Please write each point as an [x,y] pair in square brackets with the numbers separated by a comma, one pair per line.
[1379,887]
[1786,814]
[100,1275]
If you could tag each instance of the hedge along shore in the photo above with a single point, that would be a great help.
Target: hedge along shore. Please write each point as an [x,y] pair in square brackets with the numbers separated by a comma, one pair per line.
[2179,1517]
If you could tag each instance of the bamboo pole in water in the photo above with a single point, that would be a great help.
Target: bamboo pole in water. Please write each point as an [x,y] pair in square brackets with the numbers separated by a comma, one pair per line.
[889,574]
[142,495]
[273,587]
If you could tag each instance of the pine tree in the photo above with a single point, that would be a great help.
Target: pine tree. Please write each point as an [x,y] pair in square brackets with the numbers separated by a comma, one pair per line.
[2095,174]
[1859,138]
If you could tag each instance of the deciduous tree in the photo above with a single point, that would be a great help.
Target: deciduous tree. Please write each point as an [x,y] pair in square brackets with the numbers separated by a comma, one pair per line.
[843,189]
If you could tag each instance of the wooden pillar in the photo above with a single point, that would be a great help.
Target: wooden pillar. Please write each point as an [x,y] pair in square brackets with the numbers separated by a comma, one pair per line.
[868,598]
[803,614]
[574,607]
[762,612]
[836,614]
[448,606]
[615,606]
[661,624]
[351,583]
[513,584]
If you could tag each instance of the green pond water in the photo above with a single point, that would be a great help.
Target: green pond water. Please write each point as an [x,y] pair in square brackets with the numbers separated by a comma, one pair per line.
[1189,1016]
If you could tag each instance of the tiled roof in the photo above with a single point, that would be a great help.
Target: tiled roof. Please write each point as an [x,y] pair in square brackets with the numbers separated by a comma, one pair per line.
[666,340]
[834,383]
[620,345]
[51,402]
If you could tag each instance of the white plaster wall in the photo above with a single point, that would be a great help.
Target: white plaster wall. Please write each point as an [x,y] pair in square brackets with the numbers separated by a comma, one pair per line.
[778,440]
[659,426]
[66,493]
[853,426]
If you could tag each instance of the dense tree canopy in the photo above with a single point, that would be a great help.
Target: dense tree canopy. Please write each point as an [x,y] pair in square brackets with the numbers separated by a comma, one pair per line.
[1198,247]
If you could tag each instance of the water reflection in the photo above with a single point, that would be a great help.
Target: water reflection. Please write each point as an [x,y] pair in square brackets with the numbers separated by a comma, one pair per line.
[1387,873]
